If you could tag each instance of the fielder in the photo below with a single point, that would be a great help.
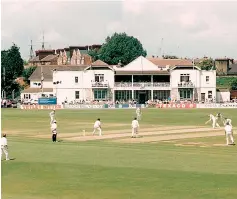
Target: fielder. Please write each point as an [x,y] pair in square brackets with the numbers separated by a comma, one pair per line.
[135,126]
[214,121]
[4,146]
[52,115]
[97,126]
[219,116]
[54,131]
[229,134]
[138,113]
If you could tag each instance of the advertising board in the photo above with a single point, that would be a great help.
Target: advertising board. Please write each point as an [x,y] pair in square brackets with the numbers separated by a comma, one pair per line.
[84,106]
[47,101]
[102,106]
[217,105]
[176,106]
[41,106]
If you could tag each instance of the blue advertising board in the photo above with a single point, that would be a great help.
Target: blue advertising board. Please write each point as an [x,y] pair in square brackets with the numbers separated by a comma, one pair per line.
[47,101]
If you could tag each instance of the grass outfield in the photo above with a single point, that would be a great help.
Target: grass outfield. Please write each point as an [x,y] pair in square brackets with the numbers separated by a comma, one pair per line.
[196,168]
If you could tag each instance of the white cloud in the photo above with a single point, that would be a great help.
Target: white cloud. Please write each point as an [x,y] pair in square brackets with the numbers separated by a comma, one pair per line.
[198,27]
[133,6]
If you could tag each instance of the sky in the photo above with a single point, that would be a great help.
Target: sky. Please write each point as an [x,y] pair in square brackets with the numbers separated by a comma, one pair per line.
[181,28]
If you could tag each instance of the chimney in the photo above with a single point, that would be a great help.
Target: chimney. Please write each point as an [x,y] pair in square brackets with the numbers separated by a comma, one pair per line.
[119,64]
[44,53]
[82,60]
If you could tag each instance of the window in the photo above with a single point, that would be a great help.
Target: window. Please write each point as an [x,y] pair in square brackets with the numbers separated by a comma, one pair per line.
[26,96]
[184,77]
[76,79]
[100,94]
[207,79]
[77,94]
[209,94]
[185,94]
[123,95]
[99,77]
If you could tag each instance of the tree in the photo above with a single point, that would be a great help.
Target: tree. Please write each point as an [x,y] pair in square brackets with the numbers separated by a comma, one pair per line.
[27,72]
[94,54]
[25,62]
[206,64]
[170,57]
[11,68]
[120,47]
[233,84]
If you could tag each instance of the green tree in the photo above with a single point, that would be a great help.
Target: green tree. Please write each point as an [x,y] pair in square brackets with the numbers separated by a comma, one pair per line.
[94,54]
[25,62]
[170,57]
[206,64]
[11,68]
[120,47]
[233,84]
[27,72]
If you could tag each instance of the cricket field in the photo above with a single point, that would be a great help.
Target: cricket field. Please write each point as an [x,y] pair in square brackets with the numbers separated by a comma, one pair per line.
[176,155]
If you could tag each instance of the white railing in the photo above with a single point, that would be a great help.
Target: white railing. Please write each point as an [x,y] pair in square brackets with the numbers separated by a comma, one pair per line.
[123,84]
[161,84]
[99,84]
[186,85]
[142,84]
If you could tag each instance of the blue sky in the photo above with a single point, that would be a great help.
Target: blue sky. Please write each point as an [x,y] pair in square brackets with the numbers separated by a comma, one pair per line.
[192,29]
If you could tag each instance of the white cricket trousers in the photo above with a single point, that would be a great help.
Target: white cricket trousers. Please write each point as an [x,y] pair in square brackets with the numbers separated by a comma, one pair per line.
[134,131]
[51,120]
[139,116]
[99,129]
[214,124]
[229,135]
[4,150]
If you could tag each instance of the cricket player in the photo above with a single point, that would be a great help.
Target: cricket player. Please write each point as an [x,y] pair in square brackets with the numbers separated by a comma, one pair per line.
[54,131]
[227,120]
[229,134]
[135,126]
[219,116]
[138,113]
[214,121]
[52,115]
[4,146]
[97,126]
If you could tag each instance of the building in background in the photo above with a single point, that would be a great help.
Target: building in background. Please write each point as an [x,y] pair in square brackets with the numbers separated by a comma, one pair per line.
[223,66]
[143,79]
[72,55]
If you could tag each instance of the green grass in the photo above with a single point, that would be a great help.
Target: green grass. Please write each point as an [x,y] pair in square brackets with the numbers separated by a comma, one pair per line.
[102,169]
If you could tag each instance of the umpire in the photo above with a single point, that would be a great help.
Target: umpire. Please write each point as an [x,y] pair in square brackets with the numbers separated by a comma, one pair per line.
[54,131]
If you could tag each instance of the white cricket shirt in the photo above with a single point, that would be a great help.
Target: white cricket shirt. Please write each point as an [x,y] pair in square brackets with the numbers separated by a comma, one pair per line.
[135,124]
[228,129]
[51,114]
[3,141]
[97,124]
[53,126]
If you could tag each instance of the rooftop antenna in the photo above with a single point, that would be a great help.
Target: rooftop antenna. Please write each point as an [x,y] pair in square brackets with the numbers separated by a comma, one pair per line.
[161,47]
[31,50]
[43,48]
[43,43]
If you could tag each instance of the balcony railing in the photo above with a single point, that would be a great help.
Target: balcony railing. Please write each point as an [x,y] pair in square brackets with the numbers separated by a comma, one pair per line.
[142,84]
[186,85]
[99,84]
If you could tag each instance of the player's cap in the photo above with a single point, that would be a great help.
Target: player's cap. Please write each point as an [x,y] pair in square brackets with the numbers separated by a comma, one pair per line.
[98,119]
[135,118]
[54,121]
[227,123]
[4,135]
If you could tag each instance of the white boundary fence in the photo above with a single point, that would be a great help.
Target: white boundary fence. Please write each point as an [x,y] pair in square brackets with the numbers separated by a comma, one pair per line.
[217,105]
